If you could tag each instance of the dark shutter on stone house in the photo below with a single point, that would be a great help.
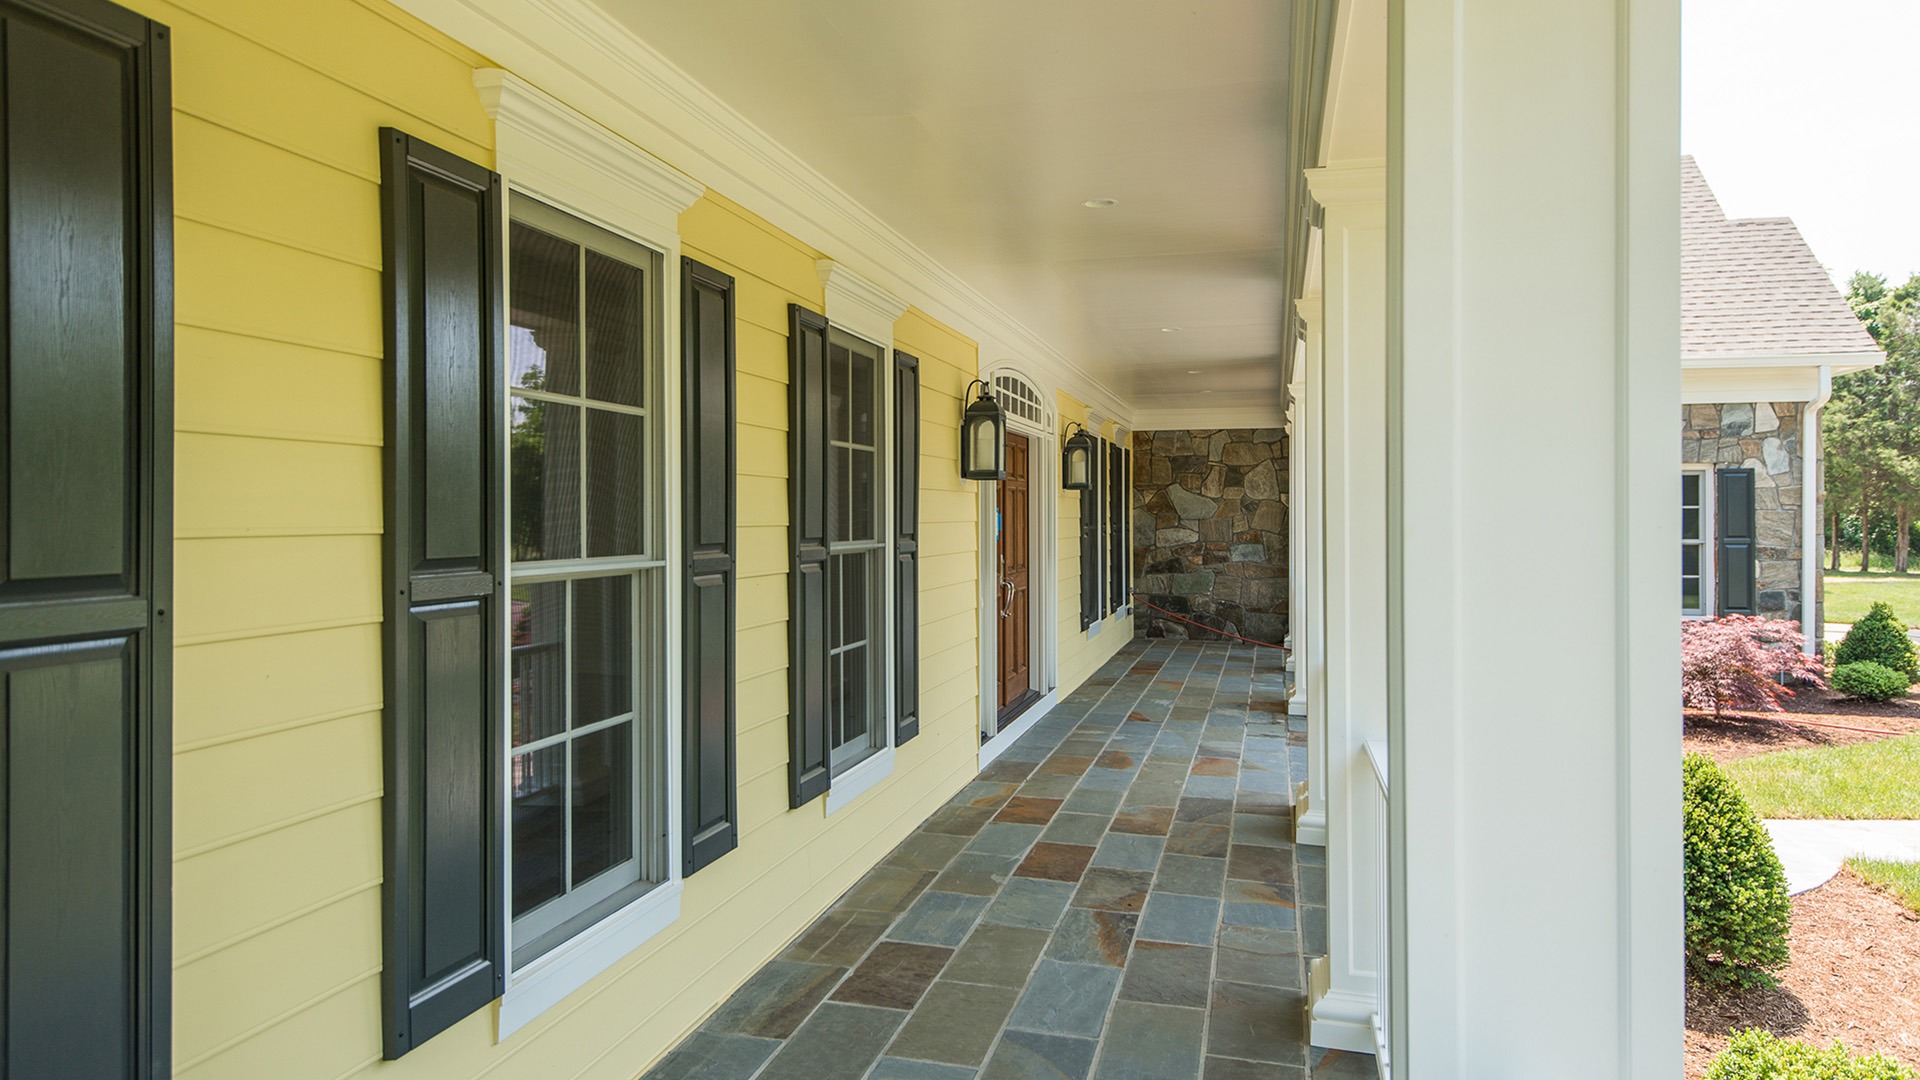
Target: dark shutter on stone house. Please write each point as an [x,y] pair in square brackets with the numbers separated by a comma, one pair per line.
[1736,541]
[1118,487]
[1090,507]
[906,546]
[445,931]
[86,527]
[808,761]
[710,804]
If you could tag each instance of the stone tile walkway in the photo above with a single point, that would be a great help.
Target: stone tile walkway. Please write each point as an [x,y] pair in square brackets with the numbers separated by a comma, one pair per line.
[1116,898]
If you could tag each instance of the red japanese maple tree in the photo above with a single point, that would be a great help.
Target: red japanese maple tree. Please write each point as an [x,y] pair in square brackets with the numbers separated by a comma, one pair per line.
[1742,662]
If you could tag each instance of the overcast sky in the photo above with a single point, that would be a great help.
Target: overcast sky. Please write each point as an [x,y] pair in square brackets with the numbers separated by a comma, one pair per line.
[1809,110]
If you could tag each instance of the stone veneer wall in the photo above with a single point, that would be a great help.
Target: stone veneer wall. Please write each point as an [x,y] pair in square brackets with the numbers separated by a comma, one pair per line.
[1764,437]
[1210,531]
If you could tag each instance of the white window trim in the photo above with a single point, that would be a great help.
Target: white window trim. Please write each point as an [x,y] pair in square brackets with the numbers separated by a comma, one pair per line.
[861,309]
[1709,543]
[863,777]
[548,150]
[546,982]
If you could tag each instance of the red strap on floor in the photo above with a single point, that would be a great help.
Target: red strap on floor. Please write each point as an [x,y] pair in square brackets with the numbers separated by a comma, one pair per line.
[1204,626]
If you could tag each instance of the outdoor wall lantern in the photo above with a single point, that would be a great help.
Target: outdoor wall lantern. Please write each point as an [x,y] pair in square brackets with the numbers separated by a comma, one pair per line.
[1076,461]
[983,437]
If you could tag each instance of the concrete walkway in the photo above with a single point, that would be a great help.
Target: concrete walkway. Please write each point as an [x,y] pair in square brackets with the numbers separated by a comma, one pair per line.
[1812,851]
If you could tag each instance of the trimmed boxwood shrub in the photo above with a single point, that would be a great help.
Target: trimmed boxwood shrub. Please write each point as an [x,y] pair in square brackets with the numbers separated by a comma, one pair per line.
[1756,1055]
[1866,679]
[1881,638]
[1738,913]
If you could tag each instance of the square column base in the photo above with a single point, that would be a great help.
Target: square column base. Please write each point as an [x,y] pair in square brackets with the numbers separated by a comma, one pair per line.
[1338,1020]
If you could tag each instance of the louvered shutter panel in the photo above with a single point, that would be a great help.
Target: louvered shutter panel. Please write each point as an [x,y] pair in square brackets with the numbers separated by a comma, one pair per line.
[445,931]
[1126,530]
[1090,543]
[86,483]
[906,547]
[1736,541]
[711,805]
[1117,488]
[811,511]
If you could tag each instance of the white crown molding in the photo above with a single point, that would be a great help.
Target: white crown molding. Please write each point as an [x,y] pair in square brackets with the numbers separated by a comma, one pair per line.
[574,50]
[858,306]
[1351,183]
[546,147]
[1243,416]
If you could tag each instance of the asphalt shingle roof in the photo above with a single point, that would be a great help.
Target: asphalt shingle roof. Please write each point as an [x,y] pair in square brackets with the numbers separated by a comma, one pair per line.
[1752,286]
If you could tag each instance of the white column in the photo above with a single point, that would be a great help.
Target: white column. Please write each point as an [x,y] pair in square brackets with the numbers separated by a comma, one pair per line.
[1310,813]
[1535,686]
[1295,624]
[1344,993]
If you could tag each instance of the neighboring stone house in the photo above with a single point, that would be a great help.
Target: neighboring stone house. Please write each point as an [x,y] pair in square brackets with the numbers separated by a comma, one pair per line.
[1763,331]
[1210,531]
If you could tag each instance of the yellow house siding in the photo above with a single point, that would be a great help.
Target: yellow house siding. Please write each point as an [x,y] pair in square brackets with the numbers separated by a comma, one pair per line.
[277,767]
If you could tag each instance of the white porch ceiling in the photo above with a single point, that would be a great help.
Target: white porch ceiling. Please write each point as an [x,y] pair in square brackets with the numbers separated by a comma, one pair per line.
[978,128]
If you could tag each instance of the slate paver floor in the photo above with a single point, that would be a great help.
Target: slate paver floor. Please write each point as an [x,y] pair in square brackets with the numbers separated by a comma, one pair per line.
[1116,898]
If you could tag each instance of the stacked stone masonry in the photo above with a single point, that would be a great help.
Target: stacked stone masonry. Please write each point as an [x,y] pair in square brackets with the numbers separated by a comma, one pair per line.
[1764,437]
[1210,531]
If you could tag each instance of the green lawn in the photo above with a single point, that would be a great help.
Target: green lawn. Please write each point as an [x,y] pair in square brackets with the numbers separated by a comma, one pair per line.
[1902,879]
[1850,594]
[1864,780]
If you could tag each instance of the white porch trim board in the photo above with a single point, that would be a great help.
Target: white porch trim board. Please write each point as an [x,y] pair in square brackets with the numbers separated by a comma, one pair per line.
[1310,820]
[1811,532]
[1352,332]
[1537,292]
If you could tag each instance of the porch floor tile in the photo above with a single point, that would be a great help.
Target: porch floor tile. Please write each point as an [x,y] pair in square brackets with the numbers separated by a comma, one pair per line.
[1114,898]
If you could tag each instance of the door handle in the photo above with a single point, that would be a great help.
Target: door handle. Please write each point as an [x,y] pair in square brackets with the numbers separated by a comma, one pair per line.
[1006,602]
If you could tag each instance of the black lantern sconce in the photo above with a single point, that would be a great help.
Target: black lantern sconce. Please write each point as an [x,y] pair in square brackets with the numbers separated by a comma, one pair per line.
[1076,461]
[983,437]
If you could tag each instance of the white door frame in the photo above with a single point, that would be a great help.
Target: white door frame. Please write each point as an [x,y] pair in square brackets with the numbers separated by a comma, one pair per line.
[1043,502]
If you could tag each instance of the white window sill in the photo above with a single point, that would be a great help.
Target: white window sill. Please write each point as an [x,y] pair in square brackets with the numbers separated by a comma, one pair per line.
[1093,631]
[548,980]
[860,779]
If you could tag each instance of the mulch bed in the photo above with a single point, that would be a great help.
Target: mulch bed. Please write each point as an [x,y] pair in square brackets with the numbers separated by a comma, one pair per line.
[1736,735]
[1854,977]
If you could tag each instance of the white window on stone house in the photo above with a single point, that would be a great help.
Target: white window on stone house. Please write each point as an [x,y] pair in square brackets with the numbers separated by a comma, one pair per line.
[1696,542]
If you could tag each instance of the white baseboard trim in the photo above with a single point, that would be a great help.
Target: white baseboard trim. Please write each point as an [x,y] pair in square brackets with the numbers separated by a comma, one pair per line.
[998,745]
[1310,826]
[1338,1020]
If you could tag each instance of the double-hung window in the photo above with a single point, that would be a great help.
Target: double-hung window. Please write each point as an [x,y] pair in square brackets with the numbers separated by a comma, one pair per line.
[857,552]
[587,619]
[1696,543]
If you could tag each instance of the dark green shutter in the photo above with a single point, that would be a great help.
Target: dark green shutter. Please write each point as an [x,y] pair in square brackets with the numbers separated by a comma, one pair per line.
[1090,590]
[445,930]
[711,806]
[1126,530]
[1117,488]
[808,762]
[86,521]
[1736,541]
[906,546]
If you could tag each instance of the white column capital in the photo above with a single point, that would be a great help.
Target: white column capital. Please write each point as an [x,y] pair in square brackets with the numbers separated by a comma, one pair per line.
[1349,183]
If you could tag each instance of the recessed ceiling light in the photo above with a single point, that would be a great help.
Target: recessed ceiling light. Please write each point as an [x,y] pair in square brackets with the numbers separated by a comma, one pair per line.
[1169,329]
[1206,391]
[1100,204]
[1193,371]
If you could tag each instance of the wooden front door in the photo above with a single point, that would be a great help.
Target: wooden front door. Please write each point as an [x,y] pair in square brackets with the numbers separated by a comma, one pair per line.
[1016,637]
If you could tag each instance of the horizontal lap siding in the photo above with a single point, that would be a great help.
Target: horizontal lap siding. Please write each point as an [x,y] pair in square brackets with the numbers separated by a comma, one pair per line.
[278,418]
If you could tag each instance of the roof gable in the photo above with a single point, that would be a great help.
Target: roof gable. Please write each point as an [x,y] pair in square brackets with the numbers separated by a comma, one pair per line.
[1751,287]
